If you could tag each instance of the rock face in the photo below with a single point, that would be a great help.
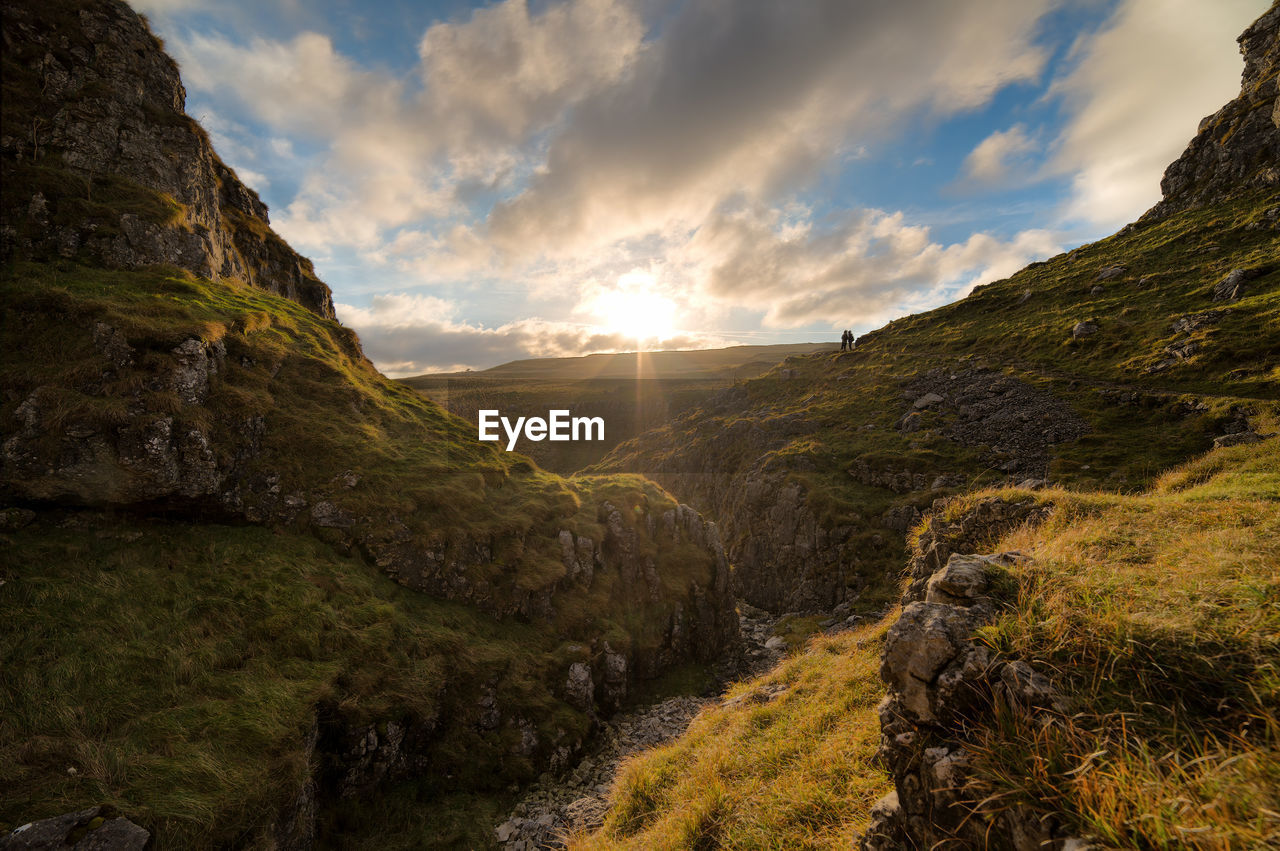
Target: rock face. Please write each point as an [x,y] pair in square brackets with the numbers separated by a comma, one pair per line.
[939,679]
[100,161]
[977,527]
[1237,148]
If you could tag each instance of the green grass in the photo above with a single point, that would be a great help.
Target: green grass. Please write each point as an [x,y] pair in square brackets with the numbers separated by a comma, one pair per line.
[177,674]
[173,670]
[1157,614]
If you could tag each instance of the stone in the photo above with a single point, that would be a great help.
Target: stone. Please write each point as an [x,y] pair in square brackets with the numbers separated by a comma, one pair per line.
[1237,439]
[777,643]
[93,829]
[963,580]
[1234,150]
[328,515]
[579,688]
[925,639]
[1232,285]
[927,400]
[1107,273]
[1084,328]
[1098,290]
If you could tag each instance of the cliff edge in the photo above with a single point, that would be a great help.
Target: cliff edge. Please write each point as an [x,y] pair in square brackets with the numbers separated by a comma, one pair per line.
[99,160]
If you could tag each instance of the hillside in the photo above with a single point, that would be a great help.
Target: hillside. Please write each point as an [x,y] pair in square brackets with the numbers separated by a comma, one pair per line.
[1081,649]
[250,585]
[1145,719]
[724,364]
[632,392]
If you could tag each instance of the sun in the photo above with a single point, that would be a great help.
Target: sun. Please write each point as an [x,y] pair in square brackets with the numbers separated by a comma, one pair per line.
[636,309]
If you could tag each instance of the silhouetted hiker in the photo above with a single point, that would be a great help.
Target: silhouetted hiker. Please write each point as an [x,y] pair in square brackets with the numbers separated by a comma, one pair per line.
[844,340]
[850,333]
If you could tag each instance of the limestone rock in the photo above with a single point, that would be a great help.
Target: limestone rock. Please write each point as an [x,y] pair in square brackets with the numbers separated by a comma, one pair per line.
[926,401]
[109,109]
[93,829]
[1237,439]
[1232,285]
[1237,148]
[940,681]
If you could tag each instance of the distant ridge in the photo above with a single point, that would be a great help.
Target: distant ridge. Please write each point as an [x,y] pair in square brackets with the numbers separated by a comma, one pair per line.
[686,364]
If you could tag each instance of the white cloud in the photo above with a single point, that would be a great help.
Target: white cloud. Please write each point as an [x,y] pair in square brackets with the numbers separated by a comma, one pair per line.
[1137,92]
[999,156]
[864,268]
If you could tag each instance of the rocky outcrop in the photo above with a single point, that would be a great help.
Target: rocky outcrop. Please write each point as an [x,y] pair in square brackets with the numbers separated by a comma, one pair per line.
[92,829]
[975,528]
[100,160]
[941,684]
[1237,149]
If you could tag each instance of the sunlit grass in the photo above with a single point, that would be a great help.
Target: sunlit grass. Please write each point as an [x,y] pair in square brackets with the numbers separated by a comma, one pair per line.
[786,761]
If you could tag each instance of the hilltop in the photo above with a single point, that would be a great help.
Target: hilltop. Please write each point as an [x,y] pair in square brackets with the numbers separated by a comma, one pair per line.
[727,363]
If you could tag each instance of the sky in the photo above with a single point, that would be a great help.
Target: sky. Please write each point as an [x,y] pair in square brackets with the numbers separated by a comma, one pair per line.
[483,182]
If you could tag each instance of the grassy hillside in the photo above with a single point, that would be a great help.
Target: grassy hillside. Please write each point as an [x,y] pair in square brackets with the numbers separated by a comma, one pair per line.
[785,761]
[848,430]
[1157,612]
[158,659]
[173,670]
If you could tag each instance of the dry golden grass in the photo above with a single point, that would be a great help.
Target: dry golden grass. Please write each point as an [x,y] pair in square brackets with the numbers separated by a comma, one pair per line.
[785,761]
[1160,613]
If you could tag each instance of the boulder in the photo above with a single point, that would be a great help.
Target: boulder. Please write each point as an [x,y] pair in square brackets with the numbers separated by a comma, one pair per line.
[1238,439]
[1232,285]
[1084,328]
[93,829]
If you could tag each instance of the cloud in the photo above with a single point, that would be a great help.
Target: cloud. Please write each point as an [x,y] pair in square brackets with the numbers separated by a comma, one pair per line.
[400,149]
[1137,89]
[410,334]
[756,99]
[999,156]
[864,267]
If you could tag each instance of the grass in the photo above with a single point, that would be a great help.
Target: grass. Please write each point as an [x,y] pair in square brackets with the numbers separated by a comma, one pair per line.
[1157,613]
[178,673]
[173,670]
[785,761]
[1160,614]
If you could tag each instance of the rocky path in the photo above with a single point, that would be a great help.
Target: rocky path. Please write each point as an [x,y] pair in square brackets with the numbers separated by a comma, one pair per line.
[553,807]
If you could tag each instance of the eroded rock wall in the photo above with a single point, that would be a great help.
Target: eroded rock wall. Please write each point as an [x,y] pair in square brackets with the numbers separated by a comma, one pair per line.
[942,683]
[101,161]
[1236,149]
